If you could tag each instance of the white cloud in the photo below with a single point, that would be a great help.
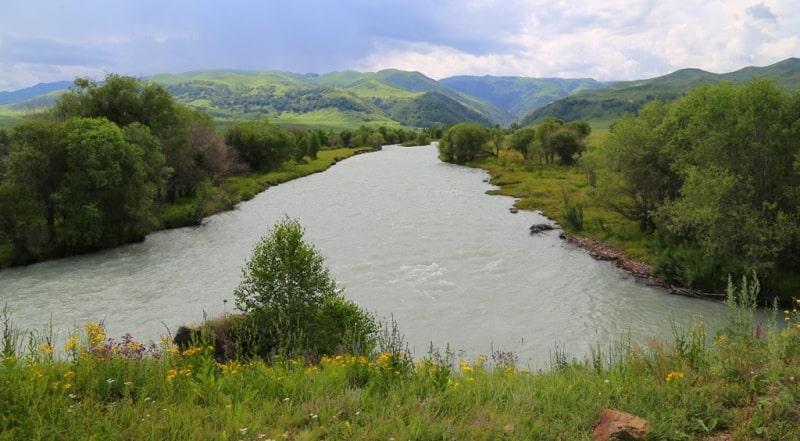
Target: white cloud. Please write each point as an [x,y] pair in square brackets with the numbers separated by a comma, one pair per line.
[43,40]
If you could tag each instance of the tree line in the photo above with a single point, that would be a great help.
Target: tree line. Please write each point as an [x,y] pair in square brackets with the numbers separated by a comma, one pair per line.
[91,171]
[714,177]
[552,138]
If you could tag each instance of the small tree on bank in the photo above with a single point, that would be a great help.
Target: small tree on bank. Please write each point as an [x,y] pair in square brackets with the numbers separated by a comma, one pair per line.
[292,304]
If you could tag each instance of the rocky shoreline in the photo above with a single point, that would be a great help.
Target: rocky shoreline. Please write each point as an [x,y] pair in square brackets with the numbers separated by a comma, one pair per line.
[642,271]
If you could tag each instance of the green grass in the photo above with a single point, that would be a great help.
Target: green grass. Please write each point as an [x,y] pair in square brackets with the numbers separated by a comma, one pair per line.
[543,187]
[737,385]
[332,119]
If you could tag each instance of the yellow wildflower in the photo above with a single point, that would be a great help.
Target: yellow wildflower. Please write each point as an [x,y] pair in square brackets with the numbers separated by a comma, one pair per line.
[69,374]
[44,347]
[71,343]
[674,376]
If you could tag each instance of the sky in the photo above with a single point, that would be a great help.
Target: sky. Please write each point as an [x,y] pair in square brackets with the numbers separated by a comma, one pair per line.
[56,40]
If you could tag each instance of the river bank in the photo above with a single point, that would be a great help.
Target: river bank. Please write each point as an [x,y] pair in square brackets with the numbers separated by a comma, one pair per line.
[547,189]
[233,190]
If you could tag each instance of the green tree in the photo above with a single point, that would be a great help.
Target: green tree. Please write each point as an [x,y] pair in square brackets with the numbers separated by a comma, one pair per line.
[631,170]
[313,144]
[291,302]
[260,144]
[522,140]
[464,142]
[544,135]
[498,138]
[733,149]
[107,192]
[35,165]
[125,100]
[78,186]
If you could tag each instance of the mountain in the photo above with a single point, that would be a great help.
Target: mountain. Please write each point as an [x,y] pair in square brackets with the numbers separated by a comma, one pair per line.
[351,98]
[518,95]
[392,97]
[33,91]
[614,100]
[334,100]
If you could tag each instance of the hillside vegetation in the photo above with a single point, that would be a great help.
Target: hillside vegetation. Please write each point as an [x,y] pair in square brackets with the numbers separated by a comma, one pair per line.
[338,100]
[395,98]
[614,100]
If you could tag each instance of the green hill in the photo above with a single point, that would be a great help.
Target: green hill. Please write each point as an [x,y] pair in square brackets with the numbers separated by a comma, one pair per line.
[349,99]
[614,100]
[518,95]
[434,108]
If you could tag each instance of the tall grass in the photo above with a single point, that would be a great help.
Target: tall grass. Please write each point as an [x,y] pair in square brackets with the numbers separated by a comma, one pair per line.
[738,384]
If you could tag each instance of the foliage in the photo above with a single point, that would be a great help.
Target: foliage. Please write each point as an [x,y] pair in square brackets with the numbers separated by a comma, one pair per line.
[94,186]
[523,140]
[615,100]
[630,173]
[713,175]
[186,136]
[291,302]
[464,142]
[260,144]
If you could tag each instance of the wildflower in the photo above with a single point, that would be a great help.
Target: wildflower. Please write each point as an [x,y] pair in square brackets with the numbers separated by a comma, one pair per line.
[66,386]
[72,342]
[674,376]
[69,374]
[44,347]
[172,374]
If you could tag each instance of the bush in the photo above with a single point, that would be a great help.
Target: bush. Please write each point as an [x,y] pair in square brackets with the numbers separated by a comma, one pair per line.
[292,305]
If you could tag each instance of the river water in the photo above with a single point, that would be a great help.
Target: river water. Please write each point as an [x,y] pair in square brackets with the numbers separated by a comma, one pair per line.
[404,234]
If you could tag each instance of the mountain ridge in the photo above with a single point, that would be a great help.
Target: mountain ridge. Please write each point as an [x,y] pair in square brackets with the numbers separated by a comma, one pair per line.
[347,99]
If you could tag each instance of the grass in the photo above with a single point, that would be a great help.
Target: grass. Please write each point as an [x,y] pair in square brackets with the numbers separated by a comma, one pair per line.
[551,189]
[737,385]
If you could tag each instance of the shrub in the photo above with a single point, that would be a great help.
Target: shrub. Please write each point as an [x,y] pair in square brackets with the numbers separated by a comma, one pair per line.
[292,305]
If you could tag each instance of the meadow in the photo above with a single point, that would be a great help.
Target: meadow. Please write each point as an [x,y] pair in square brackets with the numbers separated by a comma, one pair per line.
[739,384]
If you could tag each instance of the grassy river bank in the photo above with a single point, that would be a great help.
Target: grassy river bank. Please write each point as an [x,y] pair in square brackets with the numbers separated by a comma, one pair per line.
[739,384]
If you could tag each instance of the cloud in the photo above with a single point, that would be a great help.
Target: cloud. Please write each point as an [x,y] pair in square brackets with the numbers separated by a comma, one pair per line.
[761,12]
[43,40]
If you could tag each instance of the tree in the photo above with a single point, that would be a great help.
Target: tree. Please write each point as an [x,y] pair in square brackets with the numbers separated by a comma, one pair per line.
[732,148]
[522,140]
[544,135]
[566,145]
[182,131]
[35,167]
[313,144]
[498,137]
[107,192]
[464,142]
[292,303]
[77,186]
[260,144]
[631,170]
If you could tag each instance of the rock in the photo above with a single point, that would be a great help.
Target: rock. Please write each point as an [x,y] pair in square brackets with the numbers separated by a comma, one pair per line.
[513,210]
[614,424]
[538,228]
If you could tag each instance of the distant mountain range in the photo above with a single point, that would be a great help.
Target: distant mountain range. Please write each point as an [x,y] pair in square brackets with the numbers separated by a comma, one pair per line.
[349,99]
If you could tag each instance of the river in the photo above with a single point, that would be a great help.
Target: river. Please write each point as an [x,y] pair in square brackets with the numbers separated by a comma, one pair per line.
[404,234]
